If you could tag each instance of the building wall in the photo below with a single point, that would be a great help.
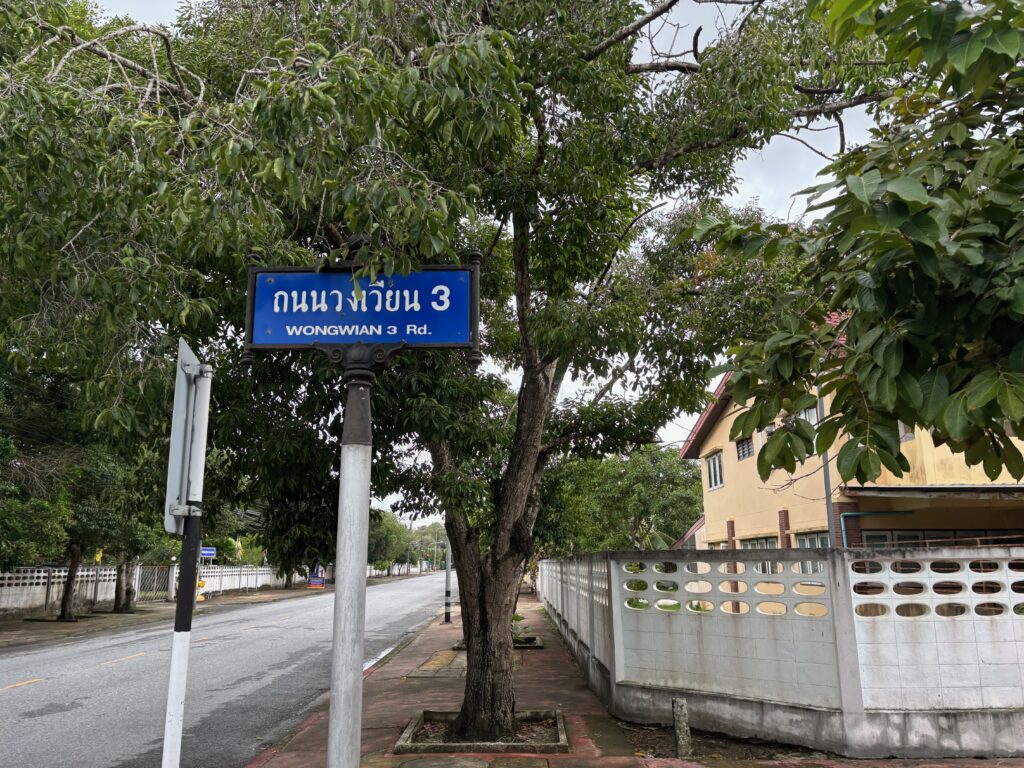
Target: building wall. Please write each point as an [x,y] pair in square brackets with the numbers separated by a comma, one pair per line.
[754,505]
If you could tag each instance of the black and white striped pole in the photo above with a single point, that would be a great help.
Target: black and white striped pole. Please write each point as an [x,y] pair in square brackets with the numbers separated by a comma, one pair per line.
[448,582]
[183,516]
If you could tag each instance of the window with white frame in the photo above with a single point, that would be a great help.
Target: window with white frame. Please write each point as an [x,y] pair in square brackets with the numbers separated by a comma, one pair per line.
[744,448]
[812,541]
[762,542]
[713,467]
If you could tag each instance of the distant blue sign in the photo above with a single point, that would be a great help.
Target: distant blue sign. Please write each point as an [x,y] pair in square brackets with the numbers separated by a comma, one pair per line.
[295,308]
[207,551]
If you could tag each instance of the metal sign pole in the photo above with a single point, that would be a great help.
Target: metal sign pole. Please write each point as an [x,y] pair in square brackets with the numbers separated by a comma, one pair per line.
[448,583]
[346,711]
[192,492]
[359,325]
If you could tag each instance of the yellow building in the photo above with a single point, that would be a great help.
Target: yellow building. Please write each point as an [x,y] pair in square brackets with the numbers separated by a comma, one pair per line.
[940,501]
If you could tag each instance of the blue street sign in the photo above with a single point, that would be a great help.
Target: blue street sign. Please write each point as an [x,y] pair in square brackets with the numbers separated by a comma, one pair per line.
[208,552]
[297,308]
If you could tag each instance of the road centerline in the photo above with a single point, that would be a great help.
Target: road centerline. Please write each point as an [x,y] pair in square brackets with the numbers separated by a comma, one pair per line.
[25,682]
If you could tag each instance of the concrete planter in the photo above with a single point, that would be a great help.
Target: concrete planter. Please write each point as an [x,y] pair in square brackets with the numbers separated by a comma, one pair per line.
[406,746]
[520,643]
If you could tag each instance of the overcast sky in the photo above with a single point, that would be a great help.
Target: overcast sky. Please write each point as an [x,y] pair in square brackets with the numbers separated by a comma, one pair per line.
[770,177]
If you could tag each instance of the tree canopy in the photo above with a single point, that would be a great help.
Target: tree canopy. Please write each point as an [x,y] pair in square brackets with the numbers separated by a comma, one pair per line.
[645,500]
[144,168]
[914,298]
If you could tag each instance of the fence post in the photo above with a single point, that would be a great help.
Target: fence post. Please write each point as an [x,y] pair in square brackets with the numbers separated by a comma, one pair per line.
[95,586]
[171,578]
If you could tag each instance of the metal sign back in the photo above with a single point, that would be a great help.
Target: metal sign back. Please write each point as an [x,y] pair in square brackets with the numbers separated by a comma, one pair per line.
[299,308]
[181,427]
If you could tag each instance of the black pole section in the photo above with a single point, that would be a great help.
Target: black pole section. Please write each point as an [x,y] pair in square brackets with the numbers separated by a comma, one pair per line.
[189,565]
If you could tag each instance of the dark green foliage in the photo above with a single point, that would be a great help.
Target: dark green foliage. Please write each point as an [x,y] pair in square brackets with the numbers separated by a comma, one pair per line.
[645,500]
[915,303]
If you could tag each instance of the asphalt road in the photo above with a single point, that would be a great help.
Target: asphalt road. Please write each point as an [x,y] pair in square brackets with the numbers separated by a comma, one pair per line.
[255,671]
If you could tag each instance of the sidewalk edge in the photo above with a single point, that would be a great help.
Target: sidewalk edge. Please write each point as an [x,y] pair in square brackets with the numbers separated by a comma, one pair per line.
[321,702]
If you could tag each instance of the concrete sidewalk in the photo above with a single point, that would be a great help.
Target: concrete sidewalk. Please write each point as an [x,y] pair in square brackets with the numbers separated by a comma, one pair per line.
[427,674]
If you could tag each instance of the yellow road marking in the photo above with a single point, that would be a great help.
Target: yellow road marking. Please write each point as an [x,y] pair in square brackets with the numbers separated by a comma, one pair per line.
[123,658]
[25,682]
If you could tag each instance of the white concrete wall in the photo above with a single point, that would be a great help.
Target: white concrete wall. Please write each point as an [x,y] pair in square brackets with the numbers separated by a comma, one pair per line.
[940,629]
[912,652]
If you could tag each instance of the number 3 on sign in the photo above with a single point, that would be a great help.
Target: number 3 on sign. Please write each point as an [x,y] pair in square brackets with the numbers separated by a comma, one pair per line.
[442,302]
[392,330]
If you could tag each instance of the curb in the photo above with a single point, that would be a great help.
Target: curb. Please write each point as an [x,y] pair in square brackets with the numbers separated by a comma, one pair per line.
[321,702]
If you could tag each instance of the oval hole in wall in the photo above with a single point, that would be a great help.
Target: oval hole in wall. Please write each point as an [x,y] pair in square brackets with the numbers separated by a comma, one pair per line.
[697,567]
[636,585]
[638,603]
[986,587]
[908,588]
[947,587]
[911,610]
[906,566]
[698,587]
[949,610]
[866,566]
[634,567]
[700,606]
[811,609]
[1018,609]
[869,588]
[671,606]
[732,567]
[666,586]
[665,568]
[1018,587]
[732,587]
[809,588]
[984,566]
[771,608]
[945,566]
[871,610]
[1016,565]
[770,588]
[768,566]
[734,606]
[990,609]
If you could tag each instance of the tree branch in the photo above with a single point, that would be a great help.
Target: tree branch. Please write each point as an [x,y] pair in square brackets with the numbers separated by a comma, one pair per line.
[741,132]
[630,29]
[663,66]
[96,47]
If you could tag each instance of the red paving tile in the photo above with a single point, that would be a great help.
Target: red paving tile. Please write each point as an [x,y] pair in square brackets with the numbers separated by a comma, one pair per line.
[548,679]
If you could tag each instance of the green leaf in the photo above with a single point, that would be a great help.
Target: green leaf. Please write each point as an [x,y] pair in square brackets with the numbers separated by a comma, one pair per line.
[982,389]
[935,391]
[848,459]
[828,430]
[908,189]
[864,187]
[955,418]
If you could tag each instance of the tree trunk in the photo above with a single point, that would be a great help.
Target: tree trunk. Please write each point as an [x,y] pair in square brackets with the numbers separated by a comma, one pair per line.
[119,584]
[487,599]
[67,607]
[129,588]
[288,579]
